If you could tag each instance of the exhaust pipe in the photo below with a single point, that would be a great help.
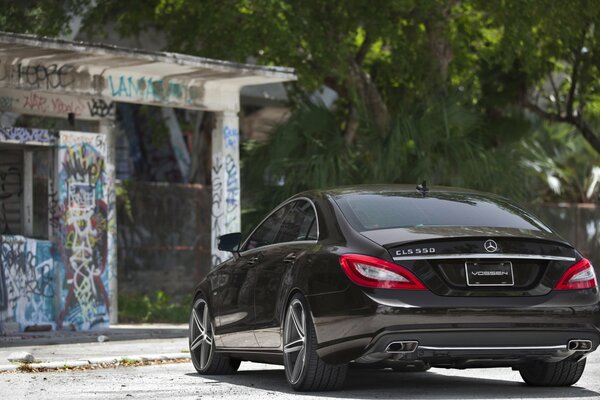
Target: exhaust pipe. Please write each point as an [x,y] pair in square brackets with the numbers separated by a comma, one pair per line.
[405,346]
[579,345]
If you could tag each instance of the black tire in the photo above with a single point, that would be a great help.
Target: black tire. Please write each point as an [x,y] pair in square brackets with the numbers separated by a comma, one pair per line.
[314,374]
[562,373]
[202,345]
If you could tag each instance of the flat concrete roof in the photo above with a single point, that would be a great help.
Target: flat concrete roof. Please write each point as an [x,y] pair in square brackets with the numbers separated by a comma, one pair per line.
[127,75]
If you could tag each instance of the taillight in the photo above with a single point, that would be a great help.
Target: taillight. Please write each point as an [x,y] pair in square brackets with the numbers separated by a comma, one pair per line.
[579,276]
[376,273]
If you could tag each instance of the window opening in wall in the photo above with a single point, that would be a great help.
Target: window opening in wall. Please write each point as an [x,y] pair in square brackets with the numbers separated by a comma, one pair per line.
[25,176]
[11,186]
[42,173]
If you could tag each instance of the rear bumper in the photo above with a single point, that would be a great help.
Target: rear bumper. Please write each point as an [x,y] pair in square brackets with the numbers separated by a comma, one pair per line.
[461,349]
[458,335]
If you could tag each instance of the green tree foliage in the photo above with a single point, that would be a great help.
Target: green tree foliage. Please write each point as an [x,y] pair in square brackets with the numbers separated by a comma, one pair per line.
[452,91]
[564,163]
[542,55]
[40,17]
[441,142]
[551,49]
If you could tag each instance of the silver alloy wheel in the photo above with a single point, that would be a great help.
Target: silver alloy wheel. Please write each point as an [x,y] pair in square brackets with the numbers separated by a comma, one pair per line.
[201,334]
[294,344]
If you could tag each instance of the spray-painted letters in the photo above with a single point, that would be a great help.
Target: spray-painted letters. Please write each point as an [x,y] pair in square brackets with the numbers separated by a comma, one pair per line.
[217,221]
[55,105]
[27,281]
[83,198]
[28,135]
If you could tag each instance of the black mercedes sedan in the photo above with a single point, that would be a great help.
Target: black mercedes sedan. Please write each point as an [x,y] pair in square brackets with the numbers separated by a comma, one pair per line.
[401,278]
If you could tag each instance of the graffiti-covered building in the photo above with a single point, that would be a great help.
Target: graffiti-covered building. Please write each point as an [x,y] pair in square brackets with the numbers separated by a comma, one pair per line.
[56,227]
[57,186]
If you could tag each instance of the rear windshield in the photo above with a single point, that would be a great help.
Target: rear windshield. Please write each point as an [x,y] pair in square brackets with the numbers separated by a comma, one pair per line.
[370,211]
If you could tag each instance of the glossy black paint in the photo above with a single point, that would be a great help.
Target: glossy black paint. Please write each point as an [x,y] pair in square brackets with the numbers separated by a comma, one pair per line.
[248,294]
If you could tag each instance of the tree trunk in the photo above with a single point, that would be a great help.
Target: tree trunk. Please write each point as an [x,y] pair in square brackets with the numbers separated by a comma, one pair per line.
[201,149]
[437,32]
[362,87]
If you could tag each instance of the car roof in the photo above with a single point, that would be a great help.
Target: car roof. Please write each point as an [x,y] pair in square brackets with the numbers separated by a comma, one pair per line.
[388,188]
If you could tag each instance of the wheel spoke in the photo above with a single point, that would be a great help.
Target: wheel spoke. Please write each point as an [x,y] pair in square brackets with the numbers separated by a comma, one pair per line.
[297,324]
[303,321]
[203,354]
[298,365]
[205,318]
[197,342]
[294,346]
[208,340]
[197,321]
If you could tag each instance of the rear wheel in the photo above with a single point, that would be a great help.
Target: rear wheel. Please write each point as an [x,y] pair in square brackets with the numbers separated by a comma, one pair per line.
[202,345]
[304,370]
[562,373]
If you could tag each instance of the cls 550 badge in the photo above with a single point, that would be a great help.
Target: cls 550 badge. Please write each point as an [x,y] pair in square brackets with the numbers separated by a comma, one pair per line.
[410,252]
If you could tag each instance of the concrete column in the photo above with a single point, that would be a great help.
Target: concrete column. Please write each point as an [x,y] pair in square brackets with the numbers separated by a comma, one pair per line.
[107,128]
[226,216]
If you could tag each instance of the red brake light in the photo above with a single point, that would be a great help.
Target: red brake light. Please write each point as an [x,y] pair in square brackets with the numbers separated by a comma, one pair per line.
[579,276]
[376,273]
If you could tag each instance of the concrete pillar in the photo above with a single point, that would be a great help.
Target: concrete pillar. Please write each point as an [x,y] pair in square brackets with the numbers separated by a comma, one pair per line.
[226,216]
[107,128]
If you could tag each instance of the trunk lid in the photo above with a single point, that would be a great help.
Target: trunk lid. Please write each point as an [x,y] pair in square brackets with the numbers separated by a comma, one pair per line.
[479,261]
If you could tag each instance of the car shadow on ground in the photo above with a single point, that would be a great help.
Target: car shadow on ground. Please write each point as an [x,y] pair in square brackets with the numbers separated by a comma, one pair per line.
[366,384]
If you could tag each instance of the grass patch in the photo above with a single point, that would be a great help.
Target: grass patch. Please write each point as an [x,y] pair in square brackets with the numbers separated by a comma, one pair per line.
[129,362]
[156,308]
[27,368]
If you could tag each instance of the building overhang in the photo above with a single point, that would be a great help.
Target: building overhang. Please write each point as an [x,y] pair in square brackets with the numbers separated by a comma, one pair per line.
[76,74]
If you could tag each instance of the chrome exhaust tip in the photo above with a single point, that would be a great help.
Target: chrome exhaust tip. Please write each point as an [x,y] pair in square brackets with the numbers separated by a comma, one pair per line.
[404,346]
[579,345]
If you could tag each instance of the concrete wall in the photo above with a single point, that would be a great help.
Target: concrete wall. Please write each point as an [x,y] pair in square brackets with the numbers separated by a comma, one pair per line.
[163,237]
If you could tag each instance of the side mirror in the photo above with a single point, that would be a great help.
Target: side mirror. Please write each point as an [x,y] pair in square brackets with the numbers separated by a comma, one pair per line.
[230,242]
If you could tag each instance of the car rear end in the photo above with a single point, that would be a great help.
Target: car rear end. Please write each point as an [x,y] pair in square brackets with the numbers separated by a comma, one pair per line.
[466,280]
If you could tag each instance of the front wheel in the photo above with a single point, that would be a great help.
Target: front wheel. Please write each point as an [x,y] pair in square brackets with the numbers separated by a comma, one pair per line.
[562,373]
[202,344]
[304,370]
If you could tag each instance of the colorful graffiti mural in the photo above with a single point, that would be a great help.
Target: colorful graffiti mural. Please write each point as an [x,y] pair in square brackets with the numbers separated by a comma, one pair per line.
[27,283]
[82,197]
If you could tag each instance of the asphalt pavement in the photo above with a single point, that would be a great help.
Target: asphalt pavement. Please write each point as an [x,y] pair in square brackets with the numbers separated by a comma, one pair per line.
[253,381]
[260,381]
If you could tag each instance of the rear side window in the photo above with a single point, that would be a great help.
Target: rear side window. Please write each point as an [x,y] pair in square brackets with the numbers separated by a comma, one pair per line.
[265,234]
[299,224]
[403,210]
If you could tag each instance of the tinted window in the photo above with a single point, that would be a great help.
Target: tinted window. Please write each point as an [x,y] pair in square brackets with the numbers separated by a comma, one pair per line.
[298,223]
[400,210]
[265,234]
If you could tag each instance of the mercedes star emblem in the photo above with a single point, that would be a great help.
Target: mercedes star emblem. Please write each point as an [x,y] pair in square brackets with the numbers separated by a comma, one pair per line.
[490,246]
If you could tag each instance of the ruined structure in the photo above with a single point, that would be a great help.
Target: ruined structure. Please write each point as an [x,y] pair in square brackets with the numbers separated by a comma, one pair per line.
[57,188]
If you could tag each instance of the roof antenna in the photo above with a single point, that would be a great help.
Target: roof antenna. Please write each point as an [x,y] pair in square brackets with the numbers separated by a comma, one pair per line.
[422,188]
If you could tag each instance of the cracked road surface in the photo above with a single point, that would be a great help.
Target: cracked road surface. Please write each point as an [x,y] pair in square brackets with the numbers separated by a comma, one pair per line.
[259,381]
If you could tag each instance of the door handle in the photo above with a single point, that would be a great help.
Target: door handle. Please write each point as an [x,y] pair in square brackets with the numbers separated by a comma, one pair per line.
[252,260]
[290,258]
